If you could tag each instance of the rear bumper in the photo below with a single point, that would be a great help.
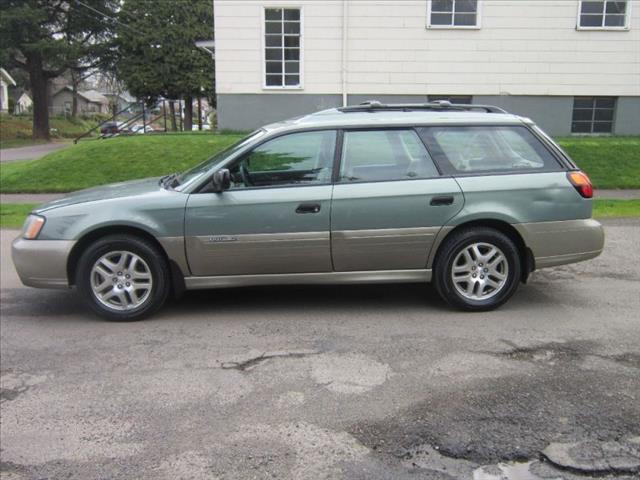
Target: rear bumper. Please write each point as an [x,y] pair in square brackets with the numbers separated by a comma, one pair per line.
[563,242]
[42,263]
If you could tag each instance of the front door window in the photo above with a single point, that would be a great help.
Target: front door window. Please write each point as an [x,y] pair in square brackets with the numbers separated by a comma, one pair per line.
[304,158]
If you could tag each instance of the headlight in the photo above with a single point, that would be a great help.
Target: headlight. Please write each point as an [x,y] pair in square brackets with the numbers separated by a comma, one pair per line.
[32,227]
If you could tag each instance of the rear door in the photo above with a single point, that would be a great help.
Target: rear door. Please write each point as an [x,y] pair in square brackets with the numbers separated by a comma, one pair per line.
[389,201]
[506,173]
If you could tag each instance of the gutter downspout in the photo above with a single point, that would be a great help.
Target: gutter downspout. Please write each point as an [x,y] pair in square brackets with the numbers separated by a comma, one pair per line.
[345,17]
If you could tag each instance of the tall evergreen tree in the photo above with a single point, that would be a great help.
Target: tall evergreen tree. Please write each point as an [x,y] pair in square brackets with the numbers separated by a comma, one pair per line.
[45,38]
[157,55]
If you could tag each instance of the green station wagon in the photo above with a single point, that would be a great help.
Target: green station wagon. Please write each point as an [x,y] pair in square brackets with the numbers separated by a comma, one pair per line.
[467,196]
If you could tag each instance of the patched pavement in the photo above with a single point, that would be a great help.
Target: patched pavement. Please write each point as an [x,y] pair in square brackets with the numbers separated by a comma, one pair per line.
[362,382]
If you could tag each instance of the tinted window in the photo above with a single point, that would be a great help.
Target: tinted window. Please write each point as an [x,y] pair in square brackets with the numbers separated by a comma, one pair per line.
[477,149]
[384,155]
[298,158]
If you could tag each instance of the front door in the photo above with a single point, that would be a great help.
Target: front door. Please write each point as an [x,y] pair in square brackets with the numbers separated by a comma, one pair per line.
[389,202]
[275,217]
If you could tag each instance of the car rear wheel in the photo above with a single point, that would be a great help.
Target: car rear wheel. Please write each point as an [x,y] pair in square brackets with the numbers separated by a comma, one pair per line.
[477,269]
[123,277]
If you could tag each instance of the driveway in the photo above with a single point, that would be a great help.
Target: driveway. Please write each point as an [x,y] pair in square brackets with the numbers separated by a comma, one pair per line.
[32,152]
[358,382]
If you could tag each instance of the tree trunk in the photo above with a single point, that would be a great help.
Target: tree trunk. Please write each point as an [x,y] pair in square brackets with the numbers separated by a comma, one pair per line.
[172,114]
[180,114]
[199,114]
[39,91]
[74,93]
[188,113]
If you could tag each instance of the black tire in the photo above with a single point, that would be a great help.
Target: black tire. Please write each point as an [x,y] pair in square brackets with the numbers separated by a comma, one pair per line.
[154,259]
[453,246]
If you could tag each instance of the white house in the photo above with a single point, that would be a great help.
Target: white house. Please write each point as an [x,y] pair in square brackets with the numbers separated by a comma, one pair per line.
[22,102]
[5,81]
[571,65]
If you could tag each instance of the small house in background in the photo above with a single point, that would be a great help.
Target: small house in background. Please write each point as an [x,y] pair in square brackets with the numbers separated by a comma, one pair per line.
[119,101]
[5,82]
[22,102]
[89,101]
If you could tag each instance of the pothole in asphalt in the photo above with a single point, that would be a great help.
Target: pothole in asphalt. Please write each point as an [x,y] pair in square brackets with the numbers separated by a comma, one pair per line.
[589,457]
[349,373]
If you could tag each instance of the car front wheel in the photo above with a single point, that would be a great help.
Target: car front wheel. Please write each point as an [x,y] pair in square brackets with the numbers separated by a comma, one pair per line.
[477,269]
[123,277]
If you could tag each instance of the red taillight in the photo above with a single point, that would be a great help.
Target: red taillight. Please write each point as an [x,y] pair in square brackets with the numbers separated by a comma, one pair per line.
[581,183]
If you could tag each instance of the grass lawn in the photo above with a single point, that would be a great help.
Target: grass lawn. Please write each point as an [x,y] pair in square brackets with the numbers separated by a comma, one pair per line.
[12,215]
[96,162]
[611,162]
[15,131]
[616,208]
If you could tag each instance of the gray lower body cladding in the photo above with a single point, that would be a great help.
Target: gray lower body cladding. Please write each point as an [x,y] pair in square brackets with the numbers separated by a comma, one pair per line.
[389,255]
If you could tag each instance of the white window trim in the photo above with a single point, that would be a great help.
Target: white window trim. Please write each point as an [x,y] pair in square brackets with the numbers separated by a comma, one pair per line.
[627,20]
[477,26]
[300,86]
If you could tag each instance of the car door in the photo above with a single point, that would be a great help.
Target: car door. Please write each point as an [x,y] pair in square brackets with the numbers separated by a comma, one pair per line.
[275,216]
[389,201]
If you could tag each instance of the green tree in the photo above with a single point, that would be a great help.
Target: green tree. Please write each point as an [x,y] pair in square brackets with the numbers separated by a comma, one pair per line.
[45,38]
[157,55]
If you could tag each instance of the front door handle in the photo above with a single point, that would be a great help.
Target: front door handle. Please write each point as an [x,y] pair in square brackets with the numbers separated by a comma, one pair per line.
[441,200]
[308,208]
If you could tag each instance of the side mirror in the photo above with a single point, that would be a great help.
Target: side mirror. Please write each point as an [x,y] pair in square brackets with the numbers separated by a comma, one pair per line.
[221,180]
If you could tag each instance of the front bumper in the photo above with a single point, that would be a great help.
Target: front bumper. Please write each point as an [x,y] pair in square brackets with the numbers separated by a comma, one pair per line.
[562,242]
[42,263]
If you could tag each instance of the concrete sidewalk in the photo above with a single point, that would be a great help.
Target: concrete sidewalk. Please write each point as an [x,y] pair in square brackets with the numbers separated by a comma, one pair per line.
[631,194]
[29,197]
[32,152]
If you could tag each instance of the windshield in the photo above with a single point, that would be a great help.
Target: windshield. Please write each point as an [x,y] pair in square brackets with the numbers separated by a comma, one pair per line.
[205,166]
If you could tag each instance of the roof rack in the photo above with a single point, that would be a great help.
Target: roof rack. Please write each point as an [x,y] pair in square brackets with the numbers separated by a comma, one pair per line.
[438,105]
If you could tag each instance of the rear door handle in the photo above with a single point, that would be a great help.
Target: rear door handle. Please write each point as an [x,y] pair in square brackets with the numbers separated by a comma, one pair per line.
[308,208]
[441,200]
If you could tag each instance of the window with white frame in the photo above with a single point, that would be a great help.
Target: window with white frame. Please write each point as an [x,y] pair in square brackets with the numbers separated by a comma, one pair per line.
[453,14]
[604,14]
[282,52]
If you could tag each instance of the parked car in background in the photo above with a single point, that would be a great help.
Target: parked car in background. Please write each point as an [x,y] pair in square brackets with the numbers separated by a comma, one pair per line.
[141,129]
[466,196]
[110,128]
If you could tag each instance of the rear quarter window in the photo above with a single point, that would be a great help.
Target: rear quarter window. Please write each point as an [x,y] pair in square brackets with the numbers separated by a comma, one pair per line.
[473,150]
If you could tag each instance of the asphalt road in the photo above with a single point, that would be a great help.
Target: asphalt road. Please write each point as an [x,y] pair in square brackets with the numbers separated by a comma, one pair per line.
[363,382]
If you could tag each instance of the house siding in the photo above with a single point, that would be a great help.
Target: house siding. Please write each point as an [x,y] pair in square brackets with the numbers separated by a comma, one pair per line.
[527,56]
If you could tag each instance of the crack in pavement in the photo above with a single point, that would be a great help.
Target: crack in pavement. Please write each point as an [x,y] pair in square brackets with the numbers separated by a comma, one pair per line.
[252,362]
[551,352]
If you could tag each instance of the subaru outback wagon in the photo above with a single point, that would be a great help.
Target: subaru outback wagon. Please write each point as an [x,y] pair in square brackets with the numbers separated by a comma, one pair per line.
[469,197]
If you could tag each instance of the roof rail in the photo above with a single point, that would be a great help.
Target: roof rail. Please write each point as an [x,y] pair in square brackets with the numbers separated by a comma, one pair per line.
[438,105]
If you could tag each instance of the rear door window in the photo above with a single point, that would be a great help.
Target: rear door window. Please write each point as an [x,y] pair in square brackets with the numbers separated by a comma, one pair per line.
[384,155]
[480,149]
